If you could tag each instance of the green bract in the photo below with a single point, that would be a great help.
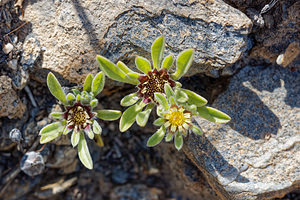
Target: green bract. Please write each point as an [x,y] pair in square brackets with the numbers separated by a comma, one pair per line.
[79,116]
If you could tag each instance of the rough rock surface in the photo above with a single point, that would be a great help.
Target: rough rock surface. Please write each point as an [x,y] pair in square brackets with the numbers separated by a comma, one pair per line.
[73,32]
[10,104]
[257,154]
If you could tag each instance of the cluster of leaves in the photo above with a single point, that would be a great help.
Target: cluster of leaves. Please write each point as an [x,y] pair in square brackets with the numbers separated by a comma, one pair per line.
[158,88]
[178,109]
[79,116]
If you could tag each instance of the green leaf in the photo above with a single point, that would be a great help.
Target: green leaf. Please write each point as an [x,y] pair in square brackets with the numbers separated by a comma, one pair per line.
[112,71]
[181,96]
[75,91]
[142,117]
[161,99]
[94,103]
[83,153]
[108,115]
[183,63]
[172,101]
[213,115]
[78,97]
[98,140]
[129,117]
[134,77]
[143,64]
[160,110]
[168,62]
[98,83]
[194,98]
[159,122]
[75,138]
[169,137]
[178,141]
[130,74]
[55,88]
[70,98]
[157,137]
[157,51]
[97,128]
[169,91]
[52,131]
[129,100]
[88,131]
[197,130]
[57,115]
[87,86]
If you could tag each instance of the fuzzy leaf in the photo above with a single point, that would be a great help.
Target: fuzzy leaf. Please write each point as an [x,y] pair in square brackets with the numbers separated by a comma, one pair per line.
[178,141]
[129,73]
[142,117]
[181,96]
[169,137]
[88,131]
[129,117]
[195,98]
[112,71]
[98,140]
[197,130]
[157,137]
[52,131]
[129,100]
[75,138]
[75,91]
[108,115]
[183,63]
[97,128]
[169,91]
[55,88]
[213,115]
[161,99]
[94,103]
[57,115]
[157,51]
[87,86]
[134,77]
[78,97]
[172,101]
[70,98]
[168,62]
[143,64]
[159,122]
[159,110]
[83,153]
[98,83]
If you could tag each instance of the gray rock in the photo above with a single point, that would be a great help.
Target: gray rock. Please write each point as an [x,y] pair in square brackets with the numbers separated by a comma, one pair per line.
[31,51]
[257,154]
[15,135]
[32,163]
[79,30]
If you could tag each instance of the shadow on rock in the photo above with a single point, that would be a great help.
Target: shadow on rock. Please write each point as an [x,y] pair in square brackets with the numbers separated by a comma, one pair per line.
[205,155]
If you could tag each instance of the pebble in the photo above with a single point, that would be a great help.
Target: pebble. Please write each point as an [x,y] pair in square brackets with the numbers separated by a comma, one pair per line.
[7,48]
[15,135]
[13,64]
[32,163]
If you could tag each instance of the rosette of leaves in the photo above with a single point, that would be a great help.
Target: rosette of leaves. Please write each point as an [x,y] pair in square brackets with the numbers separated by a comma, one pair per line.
[178,113]
[79,118]
[150,80]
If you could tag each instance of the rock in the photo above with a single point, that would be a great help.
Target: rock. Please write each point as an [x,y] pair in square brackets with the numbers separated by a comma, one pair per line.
[10,104]
[256,155]
[15,135]
[32,163]
[78,31]
[132,192]
[63,157]
[275,39]
[119,175]
[31,51]
[289,55]
[7,48]
[13,64]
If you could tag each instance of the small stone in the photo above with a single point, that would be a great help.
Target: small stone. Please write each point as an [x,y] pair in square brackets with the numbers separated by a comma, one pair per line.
[31,51]
[13,64]
[119,176]
[32,163]
[15,135]
[7,48]
[289,55]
